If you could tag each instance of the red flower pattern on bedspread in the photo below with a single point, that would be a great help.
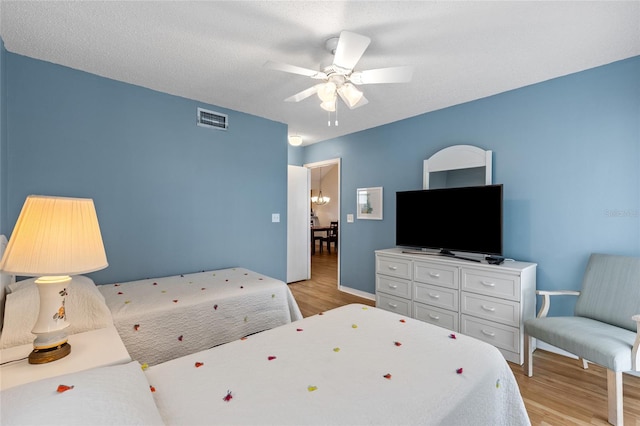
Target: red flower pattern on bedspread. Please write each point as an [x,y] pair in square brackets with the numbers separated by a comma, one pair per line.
[64,388]
[179,293]
[310,388]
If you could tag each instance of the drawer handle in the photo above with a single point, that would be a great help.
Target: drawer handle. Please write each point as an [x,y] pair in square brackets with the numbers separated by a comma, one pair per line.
[434,274]
[393,305]
[488,333]
[488,308]
[393,268]
[488,283]
[393,286]
[434,317]
[434,296]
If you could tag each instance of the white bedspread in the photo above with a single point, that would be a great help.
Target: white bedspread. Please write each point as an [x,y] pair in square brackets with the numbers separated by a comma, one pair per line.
[164,318]
[330,370]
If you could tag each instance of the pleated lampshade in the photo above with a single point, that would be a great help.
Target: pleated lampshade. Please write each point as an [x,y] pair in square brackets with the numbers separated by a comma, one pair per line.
[55,236]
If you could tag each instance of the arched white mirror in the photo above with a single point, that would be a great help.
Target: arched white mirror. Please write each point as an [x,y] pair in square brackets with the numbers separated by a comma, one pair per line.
[458,166]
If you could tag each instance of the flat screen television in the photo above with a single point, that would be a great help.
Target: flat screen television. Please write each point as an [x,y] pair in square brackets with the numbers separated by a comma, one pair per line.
[465,219]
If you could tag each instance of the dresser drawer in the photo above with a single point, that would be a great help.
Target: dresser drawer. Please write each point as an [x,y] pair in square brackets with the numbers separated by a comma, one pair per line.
[400,268]
[393,304]
[491,308]
[436,316]
[491,284]
[395,286]
[436,296]
[499,335]
[433,273]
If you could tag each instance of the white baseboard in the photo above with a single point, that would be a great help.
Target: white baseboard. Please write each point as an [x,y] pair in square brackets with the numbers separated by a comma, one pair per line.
[358,293]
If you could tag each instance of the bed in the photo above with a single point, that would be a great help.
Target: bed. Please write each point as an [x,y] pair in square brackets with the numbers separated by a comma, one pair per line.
[157,319]
[353,365]
[165,318]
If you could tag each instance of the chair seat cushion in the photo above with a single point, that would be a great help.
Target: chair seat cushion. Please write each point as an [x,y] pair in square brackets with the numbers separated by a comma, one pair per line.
[595,341]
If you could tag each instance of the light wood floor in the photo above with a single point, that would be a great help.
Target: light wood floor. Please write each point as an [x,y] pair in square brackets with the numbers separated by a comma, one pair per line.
[559,393]
[321,293]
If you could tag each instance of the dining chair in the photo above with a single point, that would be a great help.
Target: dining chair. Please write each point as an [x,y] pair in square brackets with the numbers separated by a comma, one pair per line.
[332,237]
[315,237]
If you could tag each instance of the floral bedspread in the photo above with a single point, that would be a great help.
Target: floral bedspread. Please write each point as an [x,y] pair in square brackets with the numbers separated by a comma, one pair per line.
[165,318]
[354,365]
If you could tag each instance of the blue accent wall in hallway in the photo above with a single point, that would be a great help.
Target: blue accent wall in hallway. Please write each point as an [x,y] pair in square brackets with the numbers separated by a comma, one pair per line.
[171,197]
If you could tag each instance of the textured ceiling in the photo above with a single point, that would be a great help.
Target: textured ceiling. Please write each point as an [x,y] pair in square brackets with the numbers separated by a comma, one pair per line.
[214,51]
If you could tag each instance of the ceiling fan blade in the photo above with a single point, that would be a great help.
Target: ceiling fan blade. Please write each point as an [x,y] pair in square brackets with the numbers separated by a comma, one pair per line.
[350,48]
[279,66]
[383,75]
[303,95]
[361,102]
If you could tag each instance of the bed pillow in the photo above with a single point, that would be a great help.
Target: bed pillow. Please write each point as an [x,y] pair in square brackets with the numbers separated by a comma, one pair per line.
[85,307]
[115,395]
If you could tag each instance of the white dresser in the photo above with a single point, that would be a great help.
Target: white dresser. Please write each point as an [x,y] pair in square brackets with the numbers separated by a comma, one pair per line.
[489,302]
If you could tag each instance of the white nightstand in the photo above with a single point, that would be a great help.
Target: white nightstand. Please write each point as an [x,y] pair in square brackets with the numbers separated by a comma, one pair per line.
[91,349]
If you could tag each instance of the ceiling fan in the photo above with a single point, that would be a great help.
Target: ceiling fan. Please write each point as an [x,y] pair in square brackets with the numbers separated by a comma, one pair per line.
[339,78]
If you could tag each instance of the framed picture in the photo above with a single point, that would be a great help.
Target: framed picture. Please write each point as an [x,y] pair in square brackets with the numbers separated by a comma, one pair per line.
[369,203]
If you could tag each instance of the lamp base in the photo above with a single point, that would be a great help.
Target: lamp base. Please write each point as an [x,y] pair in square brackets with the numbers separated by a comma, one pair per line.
[43,356]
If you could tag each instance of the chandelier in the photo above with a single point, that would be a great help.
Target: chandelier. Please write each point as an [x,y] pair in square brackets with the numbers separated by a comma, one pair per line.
[320,200]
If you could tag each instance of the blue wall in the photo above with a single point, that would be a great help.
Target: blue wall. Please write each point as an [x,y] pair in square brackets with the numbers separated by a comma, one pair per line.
[3,142]
[567,151]
[171,197]
[296,155]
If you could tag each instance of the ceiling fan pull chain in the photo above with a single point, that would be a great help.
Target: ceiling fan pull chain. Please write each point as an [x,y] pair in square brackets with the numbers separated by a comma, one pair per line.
[336,114]
[328,118]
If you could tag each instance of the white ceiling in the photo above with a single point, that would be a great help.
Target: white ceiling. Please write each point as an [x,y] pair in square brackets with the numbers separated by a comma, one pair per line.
[214,51]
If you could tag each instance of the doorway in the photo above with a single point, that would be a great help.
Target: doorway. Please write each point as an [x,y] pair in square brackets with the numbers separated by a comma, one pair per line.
[325,182]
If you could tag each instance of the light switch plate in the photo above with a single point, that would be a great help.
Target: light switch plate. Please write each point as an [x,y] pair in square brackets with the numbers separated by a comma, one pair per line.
[275,217]
[349,218]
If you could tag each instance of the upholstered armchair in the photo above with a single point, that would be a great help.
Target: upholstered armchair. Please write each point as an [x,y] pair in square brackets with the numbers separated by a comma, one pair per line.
[605,329]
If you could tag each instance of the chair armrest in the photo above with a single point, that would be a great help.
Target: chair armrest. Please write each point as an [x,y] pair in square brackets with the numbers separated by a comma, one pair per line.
[546,299]
[635,353]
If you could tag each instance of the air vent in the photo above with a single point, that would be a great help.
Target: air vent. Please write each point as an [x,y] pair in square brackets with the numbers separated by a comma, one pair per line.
[212,119]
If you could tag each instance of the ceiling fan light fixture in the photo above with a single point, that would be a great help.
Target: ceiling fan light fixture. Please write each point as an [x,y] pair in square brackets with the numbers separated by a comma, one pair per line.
[329,105]
[327,91]
[349,93]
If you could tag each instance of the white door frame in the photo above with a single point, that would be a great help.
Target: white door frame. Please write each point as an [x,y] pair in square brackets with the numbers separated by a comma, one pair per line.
[324,164]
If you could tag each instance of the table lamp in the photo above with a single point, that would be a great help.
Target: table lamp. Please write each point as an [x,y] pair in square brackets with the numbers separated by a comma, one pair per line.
[54,238]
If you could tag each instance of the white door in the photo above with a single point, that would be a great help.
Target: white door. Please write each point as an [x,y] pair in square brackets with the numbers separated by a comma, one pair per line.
[298,217]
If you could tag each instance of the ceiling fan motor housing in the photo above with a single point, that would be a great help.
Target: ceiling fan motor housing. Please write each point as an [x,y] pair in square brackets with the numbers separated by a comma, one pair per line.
[332,44]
